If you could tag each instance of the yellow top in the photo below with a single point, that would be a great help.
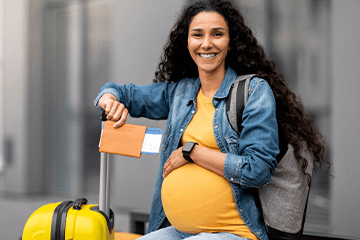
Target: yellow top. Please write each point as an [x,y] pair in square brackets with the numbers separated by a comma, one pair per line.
[195,199]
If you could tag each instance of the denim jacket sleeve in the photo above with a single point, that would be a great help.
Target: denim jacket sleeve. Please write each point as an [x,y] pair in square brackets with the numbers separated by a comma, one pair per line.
[151,101]
[258,142]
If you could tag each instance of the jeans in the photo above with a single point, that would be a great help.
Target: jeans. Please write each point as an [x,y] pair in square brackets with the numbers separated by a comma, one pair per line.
[171,233]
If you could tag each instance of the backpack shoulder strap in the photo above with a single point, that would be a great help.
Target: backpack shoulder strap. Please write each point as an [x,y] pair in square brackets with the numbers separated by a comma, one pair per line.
[236,101]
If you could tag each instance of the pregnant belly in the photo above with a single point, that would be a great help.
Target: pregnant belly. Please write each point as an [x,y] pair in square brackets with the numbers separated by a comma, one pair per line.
[197,200]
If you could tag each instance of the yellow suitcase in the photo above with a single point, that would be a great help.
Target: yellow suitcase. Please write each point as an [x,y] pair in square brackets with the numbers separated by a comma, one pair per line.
[75,220]
[69,220]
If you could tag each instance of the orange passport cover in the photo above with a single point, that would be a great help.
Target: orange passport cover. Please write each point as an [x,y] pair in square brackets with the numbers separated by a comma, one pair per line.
[126,140]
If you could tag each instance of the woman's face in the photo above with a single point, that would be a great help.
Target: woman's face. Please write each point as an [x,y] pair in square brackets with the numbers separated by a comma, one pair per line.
[208,41]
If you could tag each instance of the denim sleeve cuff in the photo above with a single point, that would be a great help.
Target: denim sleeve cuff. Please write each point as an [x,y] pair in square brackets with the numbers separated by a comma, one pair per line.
[232,170]
[107,90]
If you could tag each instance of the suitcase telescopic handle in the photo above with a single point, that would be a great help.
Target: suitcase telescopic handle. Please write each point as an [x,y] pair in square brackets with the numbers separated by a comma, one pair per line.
[104,188]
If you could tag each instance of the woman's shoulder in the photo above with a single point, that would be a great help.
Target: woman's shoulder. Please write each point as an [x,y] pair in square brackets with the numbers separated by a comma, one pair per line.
[187,81]
[255,81]
[260,86]
[186,86]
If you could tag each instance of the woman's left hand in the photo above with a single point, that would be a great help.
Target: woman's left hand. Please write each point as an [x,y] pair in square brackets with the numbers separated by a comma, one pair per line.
[175,161]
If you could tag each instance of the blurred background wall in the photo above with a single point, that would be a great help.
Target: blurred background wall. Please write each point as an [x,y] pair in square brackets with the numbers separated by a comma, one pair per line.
[55,55]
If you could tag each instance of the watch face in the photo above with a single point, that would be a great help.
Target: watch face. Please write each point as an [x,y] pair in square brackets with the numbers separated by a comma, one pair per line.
[188,146]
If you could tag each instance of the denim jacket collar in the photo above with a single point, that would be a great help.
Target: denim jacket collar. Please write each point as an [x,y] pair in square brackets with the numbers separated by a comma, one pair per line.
[224,89]
[194,91]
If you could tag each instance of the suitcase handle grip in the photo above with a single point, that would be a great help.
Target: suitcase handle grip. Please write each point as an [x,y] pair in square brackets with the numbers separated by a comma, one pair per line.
[79,202]
[103,116]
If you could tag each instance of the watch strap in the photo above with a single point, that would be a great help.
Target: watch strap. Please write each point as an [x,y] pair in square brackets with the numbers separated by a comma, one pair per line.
[186,154]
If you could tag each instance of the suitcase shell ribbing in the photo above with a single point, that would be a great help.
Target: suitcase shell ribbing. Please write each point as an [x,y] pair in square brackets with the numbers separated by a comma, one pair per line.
[85,224]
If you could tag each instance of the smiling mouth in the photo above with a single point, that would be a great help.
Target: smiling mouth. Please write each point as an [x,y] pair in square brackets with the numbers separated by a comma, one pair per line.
[211,55]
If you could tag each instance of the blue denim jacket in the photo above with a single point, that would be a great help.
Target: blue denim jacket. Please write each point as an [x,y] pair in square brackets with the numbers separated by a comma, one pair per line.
[250,158]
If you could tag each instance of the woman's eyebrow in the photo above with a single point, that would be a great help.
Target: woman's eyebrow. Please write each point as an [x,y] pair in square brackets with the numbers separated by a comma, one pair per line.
[218,28]
[196,29]
[215,28]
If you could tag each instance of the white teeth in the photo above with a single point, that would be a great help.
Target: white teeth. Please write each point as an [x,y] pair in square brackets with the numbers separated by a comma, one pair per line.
[207,55]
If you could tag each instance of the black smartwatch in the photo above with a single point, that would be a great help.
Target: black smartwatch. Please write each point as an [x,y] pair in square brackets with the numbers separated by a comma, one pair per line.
[186,150]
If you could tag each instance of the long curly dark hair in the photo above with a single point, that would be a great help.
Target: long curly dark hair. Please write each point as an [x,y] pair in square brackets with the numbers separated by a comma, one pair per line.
[245,57]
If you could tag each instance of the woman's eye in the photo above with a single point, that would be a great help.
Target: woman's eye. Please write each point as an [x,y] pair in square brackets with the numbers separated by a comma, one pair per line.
[196,35]
[218,34]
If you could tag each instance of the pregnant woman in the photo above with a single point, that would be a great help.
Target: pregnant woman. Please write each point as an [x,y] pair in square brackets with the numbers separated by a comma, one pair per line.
[207,174]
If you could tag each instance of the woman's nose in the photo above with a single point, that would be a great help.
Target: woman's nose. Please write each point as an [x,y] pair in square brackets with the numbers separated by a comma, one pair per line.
[207,43]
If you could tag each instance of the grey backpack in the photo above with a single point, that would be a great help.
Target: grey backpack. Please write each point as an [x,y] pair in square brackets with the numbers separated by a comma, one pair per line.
[284,199]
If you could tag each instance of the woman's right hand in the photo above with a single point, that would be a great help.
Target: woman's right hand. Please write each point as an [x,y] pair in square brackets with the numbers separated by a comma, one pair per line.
[114,110]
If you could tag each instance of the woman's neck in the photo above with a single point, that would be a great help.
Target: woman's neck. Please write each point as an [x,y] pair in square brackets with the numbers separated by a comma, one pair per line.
[211,82]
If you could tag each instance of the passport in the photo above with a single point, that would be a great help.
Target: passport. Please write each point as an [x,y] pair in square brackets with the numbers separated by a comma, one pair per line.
[126,140]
